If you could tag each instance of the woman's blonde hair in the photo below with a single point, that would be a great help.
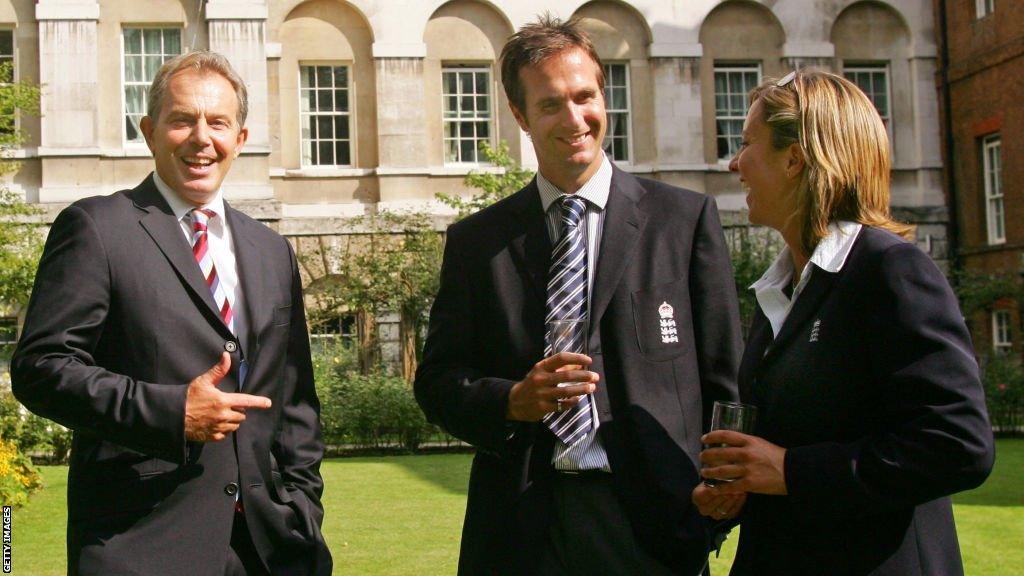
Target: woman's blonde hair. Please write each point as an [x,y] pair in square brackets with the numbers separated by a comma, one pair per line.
[845,149]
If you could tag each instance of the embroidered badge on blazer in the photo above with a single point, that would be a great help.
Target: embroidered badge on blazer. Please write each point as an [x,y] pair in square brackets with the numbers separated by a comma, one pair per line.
[668,323]
[815,330]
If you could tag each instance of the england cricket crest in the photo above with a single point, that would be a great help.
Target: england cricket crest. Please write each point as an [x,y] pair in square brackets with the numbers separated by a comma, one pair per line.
[668,323]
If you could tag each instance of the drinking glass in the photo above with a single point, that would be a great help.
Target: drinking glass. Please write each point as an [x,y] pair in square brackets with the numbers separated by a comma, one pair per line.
[735,416]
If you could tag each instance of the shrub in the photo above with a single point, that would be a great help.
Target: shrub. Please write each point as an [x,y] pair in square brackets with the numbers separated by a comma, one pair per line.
[1003,378]
[18,477]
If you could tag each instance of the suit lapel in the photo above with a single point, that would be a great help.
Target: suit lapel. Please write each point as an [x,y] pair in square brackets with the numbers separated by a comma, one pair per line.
[531,250]
[250,268]
[623,224]
[161,225]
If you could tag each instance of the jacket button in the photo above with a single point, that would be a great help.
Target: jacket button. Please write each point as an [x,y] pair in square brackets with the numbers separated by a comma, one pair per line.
[231,489]
[230,346]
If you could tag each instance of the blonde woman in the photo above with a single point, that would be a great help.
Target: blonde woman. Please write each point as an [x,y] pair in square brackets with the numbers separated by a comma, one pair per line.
[870,408]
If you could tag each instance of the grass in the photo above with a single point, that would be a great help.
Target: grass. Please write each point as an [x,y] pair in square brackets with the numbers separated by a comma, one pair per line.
[402,515]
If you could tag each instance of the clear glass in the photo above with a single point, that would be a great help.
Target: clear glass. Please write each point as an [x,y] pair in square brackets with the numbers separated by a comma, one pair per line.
[735,416]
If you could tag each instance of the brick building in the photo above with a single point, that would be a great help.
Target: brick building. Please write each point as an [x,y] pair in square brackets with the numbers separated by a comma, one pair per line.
[981,88]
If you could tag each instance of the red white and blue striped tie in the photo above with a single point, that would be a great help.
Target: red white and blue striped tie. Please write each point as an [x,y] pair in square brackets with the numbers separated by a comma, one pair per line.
[201,250]
[567,299]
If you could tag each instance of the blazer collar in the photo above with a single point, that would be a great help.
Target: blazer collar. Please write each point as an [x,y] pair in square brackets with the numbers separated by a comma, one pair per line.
[251,274]
[159,222]
[531,249]
[623,224]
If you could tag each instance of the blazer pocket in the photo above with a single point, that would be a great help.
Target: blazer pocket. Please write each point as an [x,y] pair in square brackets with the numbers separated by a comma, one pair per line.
[661,318]
[283,315]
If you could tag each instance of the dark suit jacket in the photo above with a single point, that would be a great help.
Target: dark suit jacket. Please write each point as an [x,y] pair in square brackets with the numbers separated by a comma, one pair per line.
[660,244]
[873,388]
[119,322]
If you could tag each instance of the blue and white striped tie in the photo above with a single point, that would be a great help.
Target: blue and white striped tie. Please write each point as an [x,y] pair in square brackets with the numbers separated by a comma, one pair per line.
[567,299]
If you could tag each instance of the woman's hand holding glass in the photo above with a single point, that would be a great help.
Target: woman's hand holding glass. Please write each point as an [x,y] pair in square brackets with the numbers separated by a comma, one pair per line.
[751,464]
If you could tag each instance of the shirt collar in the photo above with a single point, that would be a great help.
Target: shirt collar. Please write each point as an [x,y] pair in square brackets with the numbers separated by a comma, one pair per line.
[181,208]
[830,255]
[595,190]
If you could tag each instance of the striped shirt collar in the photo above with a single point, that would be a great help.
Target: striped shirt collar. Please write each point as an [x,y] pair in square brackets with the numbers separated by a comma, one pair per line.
[595,190]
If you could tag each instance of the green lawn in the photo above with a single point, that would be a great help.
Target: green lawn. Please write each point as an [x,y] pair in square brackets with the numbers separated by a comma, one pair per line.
[402,515]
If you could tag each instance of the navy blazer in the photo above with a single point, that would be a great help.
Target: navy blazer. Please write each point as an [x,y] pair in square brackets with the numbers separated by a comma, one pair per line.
[660,244]
[120,321]
[873,388]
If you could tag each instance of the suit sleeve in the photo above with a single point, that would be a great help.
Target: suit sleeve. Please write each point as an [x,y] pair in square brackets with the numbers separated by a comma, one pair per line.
[53,371]
[450,386]
[716,314]
[937,439]
[298,447]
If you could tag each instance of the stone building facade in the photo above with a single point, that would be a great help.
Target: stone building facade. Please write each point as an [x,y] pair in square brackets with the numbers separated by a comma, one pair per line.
[363,105]
[981,89]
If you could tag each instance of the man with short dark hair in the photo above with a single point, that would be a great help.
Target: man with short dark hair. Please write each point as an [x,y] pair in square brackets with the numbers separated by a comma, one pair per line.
[177,467]
[586,453]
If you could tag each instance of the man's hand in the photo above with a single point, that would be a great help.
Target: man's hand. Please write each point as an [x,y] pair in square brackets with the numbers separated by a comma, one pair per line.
[754,464]
[714,504]
[210,415]
[539,393]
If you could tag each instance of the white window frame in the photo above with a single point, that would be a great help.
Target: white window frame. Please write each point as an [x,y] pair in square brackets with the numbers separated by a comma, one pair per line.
[141,143]
[874,68]
[489,119]
[625,112]
[1002,335]
[991,172]
[13,56]
[731,69]
[350,88]
[984,7]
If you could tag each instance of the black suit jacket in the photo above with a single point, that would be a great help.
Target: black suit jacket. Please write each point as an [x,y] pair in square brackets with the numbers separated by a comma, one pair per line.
[119,322]
[660,244]
[873,388]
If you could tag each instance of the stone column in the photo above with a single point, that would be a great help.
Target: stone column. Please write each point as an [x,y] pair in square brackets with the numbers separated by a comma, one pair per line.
[69,122]
[678,118]
[237,29]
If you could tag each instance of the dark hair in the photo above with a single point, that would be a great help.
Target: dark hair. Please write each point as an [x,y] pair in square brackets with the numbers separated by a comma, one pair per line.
[536,42]
[205,62]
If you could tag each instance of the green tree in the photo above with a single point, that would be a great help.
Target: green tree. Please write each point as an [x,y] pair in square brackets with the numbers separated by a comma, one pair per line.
[492,186]
[389,265]
[20,234]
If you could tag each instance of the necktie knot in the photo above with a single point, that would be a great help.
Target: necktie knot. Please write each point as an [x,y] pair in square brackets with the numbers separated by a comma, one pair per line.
[201,218]
[573,209]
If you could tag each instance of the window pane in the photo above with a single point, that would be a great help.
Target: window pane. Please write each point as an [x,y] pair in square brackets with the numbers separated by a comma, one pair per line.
[306,77]
[466,83]
[341,76]
[326,153]
[341,127]
[307,156]
[325,127]
[481,83]
[325,99]
[153,64]
[151,41]
[135,99]
[342,154]
[451,83]
[341,100]
[324,77]
[130,131]
[483,130]
[306,100]
[172,42]
[467,150]
[451,151]
[6,43]
[132,41]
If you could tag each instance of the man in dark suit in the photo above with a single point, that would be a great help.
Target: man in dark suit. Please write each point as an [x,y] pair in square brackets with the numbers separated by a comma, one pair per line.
[585,462]
[177,467]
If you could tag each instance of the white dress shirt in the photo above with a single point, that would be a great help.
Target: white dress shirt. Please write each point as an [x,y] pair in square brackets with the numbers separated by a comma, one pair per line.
[830,256]
[219,242]
[589,453]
